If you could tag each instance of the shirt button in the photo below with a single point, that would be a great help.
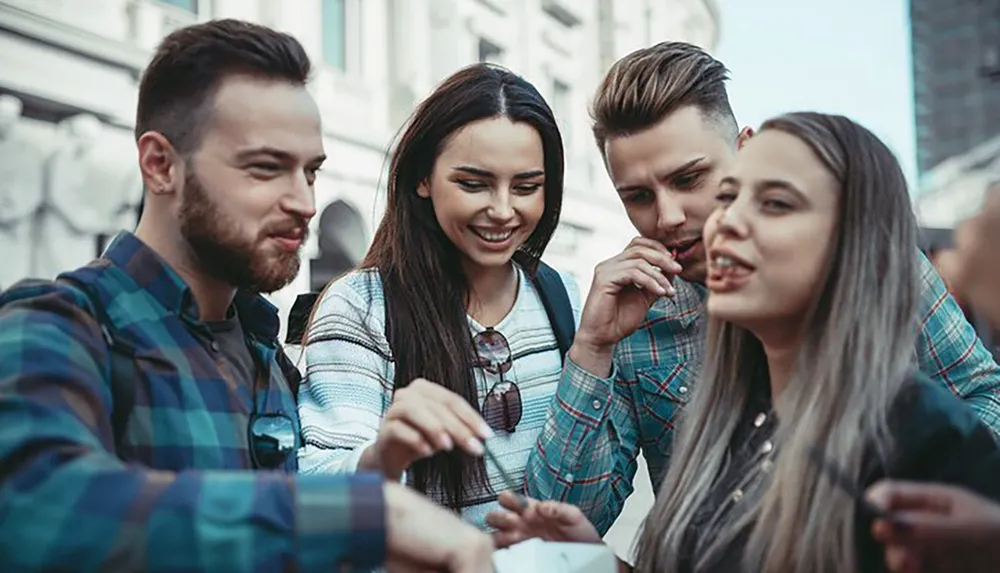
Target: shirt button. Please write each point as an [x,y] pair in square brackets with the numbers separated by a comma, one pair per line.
[568,477]
[597,404]
[767,447]
[214,346]
[737,495]
[683,389]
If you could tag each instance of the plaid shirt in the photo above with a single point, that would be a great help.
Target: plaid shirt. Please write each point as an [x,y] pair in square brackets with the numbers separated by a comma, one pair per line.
[185,500]
[586,454]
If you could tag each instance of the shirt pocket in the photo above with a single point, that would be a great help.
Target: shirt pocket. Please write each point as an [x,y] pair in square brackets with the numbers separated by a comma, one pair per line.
[663,392]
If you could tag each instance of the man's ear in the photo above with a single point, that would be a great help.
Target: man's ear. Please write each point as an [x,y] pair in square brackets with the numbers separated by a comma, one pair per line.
[745,134]
[160,164]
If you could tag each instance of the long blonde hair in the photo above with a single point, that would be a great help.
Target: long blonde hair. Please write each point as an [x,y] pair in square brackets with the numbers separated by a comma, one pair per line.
[858,348]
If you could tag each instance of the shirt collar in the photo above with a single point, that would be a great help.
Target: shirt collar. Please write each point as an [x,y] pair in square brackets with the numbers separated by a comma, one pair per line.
[150,272]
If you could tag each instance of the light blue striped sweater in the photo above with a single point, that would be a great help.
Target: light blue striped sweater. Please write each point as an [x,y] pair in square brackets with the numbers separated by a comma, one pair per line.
[349,377]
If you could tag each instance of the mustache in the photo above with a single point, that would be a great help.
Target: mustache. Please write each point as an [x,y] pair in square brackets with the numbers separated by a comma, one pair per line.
[293,227]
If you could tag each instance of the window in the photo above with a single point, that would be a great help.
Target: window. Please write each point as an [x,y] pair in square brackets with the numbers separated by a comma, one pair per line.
[335,33]
[187,5]
[560,11]
[489,52]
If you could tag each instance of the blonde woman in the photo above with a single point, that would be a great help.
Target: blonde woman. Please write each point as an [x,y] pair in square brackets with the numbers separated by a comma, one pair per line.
[809,391]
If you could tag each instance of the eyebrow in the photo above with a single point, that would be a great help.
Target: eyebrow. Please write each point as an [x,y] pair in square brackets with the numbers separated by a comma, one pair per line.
[677,171]
[484,173]
[765,185]
[279,154]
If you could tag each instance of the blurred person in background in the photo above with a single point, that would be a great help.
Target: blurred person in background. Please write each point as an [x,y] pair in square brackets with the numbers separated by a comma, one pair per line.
[936,527]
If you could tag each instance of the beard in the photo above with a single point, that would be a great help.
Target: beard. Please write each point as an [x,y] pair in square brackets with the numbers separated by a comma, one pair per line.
[222,253]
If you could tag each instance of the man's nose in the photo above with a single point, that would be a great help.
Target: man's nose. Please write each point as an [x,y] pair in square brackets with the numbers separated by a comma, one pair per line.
[669,213]
[301,198]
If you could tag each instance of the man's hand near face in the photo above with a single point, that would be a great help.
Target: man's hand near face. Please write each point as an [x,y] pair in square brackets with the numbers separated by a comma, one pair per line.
[623,289]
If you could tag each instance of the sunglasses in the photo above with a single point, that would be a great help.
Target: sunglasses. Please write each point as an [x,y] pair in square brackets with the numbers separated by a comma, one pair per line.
[272,436]
[502,407]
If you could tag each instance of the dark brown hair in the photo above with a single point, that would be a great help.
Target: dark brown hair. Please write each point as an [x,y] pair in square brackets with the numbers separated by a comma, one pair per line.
[647,85]
[177,87]
[425,287]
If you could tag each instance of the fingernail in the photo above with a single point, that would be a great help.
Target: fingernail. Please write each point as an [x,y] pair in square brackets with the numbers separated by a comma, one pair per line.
[448,444]
[521,500]
[485,431]
[475,446]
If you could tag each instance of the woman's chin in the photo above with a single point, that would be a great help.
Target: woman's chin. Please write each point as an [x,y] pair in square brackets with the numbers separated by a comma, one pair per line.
[730,307]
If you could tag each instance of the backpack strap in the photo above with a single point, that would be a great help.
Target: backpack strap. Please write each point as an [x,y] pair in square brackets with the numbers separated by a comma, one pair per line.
[123,370]
[292,375]
[555,299]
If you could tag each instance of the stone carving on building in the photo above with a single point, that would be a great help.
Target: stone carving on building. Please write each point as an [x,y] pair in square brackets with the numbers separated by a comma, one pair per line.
[22,154]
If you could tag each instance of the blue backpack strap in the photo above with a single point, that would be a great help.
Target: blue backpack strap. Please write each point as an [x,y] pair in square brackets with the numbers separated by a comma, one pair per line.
[555,299]
[123,370]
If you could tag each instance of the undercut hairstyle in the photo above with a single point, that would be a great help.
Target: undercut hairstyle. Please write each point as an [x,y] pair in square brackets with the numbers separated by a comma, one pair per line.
[178,87]
[646,86]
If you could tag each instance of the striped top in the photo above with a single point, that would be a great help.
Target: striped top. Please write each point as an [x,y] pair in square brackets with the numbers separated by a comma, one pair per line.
[349,380]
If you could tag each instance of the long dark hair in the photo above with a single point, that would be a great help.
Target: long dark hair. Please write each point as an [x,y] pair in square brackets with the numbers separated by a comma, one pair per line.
[426,290]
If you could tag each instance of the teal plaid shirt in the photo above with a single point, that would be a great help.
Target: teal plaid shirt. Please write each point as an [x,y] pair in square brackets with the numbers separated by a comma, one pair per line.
[186,498]
[586,454]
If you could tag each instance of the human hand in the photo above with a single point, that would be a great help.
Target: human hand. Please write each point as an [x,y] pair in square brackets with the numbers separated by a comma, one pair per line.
[424,418]
[936,528]
[622,291]
[548,520]
[422,536]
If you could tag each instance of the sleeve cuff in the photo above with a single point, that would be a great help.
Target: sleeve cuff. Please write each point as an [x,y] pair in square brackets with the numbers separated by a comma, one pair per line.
[340,521]
[587,396]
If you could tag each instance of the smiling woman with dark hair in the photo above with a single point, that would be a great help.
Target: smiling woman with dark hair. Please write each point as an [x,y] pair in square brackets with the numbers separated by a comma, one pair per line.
[446,336]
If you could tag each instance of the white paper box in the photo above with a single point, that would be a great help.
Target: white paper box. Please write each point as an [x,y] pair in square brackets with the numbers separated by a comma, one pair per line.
[540,556]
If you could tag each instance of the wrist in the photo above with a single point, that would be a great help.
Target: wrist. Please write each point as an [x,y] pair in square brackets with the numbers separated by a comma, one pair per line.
[595,358]
[588,344]
[371,461]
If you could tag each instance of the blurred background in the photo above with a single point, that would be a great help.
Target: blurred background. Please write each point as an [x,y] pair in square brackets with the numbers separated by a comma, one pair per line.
[922,74]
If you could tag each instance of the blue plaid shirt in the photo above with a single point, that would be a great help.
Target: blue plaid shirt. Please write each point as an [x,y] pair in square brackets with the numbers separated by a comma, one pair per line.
[586,454]
[185,498]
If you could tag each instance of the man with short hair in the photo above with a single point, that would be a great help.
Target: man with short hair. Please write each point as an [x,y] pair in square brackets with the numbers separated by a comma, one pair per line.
[148,411]
[664,126]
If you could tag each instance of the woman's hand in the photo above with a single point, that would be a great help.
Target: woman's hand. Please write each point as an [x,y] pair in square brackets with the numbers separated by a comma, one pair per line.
[548,520]
[936,527]
[424,418]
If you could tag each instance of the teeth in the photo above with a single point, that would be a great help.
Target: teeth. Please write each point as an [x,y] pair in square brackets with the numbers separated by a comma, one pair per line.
[724,262]
[495,237]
